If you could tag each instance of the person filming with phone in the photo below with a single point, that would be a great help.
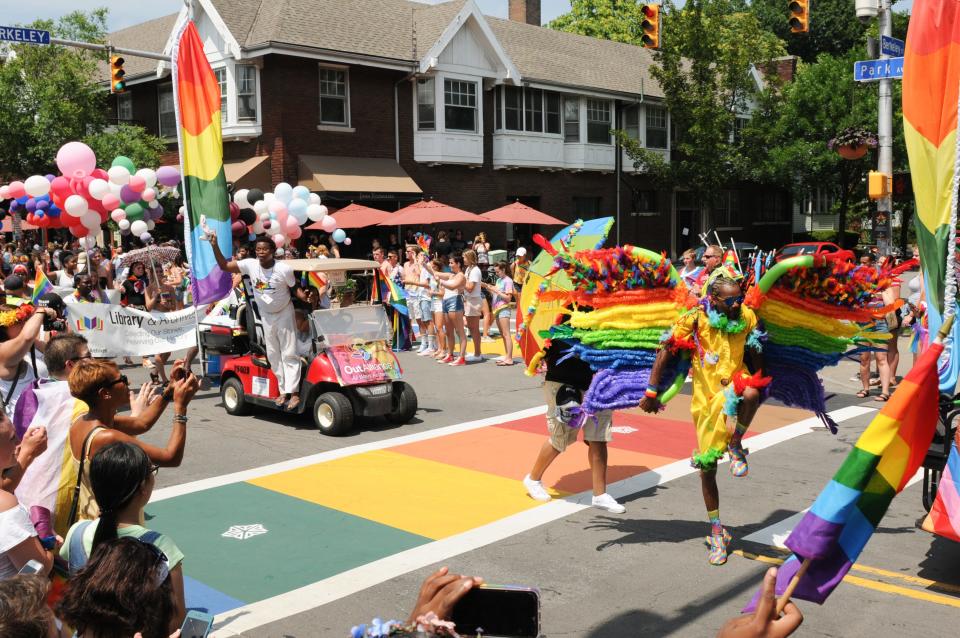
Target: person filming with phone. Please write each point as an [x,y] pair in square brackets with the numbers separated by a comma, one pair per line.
[272,282]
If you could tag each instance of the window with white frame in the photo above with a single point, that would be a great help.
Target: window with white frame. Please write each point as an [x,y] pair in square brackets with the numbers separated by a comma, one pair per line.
[426,105]
[738,125]
[551,111]
[168,116]
[631,122]
[334,97]
[598,122]
[124,107]
[246,92]
[656,128]
[533,110]
[512,108]
[460,105]
[526,109]
[571,120]
[221,75]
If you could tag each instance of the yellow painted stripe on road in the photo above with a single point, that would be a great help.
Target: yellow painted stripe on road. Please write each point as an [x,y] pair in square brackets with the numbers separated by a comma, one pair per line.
[879,586]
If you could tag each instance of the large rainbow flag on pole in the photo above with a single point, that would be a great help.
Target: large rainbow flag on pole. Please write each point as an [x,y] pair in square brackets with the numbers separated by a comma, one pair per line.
[197,98]
[887,455]
[931,76]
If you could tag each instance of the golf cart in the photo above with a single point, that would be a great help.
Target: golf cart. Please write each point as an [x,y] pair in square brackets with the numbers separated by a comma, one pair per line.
[935,460]
[351,370]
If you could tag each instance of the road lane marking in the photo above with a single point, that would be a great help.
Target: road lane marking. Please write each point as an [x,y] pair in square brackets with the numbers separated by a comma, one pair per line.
[249,617]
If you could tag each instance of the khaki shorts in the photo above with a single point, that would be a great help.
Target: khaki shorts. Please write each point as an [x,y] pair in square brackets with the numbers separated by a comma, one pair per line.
[472,306]
[596,428]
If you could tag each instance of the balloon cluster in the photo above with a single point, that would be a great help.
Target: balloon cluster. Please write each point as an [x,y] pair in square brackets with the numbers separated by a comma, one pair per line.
[83,197]
[280,214]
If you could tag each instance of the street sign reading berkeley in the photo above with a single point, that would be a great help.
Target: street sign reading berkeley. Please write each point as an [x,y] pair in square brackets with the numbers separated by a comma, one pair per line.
[873,70]
[892,46]
[29,36]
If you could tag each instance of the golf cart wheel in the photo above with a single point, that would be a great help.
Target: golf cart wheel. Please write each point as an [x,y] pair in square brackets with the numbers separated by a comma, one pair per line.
[333,413]
[404,405]
[231,393]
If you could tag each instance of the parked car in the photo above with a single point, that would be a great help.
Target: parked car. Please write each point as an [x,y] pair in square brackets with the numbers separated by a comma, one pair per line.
[807,248]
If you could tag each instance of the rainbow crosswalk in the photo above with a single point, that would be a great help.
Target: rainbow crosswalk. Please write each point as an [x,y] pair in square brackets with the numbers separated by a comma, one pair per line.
[251,540]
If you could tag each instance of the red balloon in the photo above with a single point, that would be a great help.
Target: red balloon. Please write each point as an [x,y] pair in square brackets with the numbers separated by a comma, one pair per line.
[234,211]
[60,190]
[79,230]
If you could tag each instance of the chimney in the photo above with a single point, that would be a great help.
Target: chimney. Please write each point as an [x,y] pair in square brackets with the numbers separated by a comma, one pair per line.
[525,11]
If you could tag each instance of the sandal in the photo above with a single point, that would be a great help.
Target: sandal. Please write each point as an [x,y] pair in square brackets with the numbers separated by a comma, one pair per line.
[863,394]
[883,396]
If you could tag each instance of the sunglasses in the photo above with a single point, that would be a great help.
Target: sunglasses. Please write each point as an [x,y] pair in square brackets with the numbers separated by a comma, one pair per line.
[110,384]
[711,256]
[86,356]
[731,301]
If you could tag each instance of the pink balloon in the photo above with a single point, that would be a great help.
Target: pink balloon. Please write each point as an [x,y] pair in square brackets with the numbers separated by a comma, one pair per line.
[137,183]
[16,189]
[118,214]
[279,240]
[234,211]
[148,195]
[295,233]
[110,201]
[289,224]
[4,192]
[76,160]
[347,241]
[328,223]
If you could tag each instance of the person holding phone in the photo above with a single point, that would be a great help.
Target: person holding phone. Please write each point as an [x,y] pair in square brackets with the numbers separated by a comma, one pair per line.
[123,479]
[99,385]
[453,283]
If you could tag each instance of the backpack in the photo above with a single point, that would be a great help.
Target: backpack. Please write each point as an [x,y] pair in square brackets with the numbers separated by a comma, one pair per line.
[78,555]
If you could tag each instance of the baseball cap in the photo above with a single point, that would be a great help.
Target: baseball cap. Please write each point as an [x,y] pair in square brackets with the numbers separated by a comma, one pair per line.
[20,268]
[521,252]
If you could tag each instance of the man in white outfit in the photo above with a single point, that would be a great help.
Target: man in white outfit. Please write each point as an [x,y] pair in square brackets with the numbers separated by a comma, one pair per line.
[272,282]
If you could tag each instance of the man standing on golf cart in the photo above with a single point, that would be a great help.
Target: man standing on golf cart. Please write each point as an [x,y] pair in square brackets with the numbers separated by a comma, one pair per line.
[272,282]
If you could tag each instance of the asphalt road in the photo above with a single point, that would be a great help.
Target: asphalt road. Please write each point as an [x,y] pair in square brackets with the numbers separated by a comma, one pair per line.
[642,573]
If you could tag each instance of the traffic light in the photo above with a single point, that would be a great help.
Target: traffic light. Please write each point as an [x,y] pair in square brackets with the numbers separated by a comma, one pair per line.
[117,85]
[799,16]
[878,185]
[650,26]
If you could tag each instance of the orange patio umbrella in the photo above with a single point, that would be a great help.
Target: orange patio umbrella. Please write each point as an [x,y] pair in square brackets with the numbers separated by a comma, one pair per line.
[517,213]
[426,212]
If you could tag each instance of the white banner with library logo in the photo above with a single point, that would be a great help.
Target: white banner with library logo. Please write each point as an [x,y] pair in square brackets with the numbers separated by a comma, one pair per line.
[115,331]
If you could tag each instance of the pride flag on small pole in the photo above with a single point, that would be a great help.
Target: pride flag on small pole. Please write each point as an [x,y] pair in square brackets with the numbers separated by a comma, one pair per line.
[41,286]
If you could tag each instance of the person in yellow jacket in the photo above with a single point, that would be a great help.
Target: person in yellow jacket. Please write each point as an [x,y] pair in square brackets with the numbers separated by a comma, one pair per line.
[717,333]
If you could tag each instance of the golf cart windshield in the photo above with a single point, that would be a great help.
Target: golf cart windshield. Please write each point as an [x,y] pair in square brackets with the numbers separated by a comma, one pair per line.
[346,326]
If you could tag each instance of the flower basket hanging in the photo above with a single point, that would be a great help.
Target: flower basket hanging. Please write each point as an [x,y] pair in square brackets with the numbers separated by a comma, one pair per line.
[853,143]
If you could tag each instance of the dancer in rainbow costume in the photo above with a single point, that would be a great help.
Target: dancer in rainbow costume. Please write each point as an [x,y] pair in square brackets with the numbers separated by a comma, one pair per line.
[630,318]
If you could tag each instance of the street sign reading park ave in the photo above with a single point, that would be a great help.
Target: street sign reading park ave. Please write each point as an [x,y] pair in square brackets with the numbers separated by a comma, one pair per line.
[873,70]
[29,36]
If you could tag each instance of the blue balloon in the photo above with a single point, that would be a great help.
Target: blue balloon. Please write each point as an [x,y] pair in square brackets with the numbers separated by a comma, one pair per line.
[297,206]
[53,211]
[14,205]
[339,235]
[301,192]
[42,204]
[252,237]
[23,200]
[40,214]
[31,205]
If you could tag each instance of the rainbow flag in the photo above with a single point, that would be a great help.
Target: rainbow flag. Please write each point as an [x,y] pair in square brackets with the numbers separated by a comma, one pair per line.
[41,286]
[944,517]
[887,455]
[313,279]
[931,75]
[389,292]
[197,99]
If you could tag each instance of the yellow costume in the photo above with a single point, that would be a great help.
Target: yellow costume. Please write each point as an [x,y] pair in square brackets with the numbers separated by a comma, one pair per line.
[719,374]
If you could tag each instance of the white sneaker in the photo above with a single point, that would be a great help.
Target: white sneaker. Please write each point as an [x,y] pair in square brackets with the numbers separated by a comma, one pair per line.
[535,489]
[426,353]
[608,503]
[423,346]
[472,358]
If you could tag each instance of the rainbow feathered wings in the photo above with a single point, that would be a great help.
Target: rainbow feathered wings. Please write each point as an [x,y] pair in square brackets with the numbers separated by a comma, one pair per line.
[625,301]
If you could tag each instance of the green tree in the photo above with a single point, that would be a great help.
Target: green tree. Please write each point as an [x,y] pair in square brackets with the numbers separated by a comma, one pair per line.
[616,20]
[706,67]
[51,95]
[834,27]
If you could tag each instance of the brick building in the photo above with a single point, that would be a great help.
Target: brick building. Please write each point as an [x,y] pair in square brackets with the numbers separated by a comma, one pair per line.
[387,102]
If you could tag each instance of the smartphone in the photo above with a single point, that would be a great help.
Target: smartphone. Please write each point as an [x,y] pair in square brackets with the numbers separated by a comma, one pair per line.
[501,611]
[31,567]
[196,625]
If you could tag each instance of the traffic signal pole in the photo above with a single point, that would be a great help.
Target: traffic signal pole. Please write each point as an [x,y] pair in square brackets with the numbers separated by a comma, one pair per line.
[110,49]
[882,223]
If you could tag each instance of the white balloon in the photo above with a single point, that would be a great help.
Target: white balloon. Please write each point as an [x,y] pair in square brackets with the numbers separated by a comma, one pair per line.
[154,204]
[115,189]
[119,175]
[76,205]
[284,192]
[265,216]
[149,176]
[260,207]
[124,224]
[36,186]
[279,240]
[268,197]
[313,199]
[151,224]
[89,241]
[182,210]
[90,219]
[138,227]
[240,198]
[315,212]
[99,188]
[117,214]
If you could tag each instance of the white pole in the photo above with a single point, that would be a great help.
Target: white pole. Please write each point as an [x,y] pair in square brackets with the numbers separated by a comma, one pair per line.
[885,133]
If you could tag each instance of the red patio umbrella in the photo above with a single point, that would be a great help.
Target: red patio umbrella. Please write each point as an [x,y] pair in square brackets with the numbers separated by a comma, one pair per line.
[355,216]
[517,213]
[8,225]
[427,212]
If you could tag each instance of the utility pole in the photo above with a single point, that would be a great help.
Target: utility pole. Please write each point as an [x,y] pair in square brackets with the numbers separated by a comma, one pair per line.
[882,224]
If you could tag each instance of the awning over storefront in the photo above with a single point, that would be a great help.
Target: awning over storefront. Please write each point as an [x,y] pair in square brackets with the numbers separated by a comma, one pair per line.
[329,174]
[249,173]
